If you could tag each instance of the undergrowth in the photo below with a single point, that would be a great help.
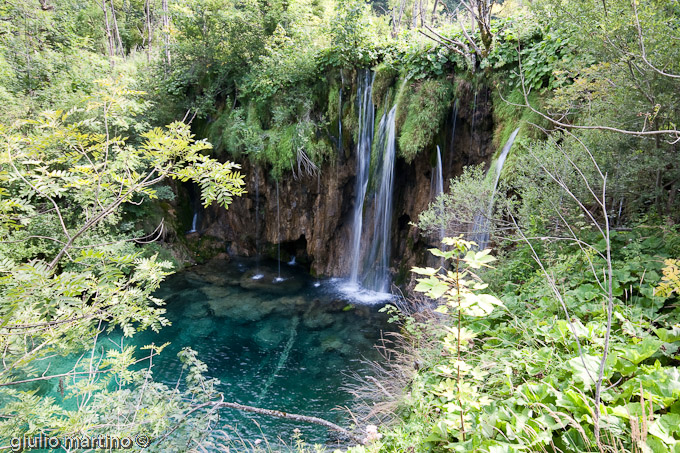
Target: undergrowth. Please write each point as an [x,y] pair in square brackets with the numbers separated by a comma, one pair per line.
[530,369]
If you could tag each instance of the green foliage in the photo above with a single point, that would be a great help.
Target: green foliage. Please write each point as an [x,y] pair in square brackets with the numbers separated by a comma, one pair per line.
[422,60]
[285,146]
[424,113]
[671,279]
[353,36]
[530,42]
[509,115]
[385,78]
[454,212]
[70,268]
[526,373]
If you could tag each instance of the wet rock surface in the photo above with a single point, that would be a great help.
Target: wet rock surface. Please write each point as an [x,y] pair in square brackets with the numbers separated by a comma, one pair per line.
[315,212]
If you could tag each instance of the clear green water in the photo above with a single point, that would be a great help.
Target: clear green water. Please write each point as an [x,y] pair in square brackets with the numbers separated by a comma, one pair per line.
[287,346]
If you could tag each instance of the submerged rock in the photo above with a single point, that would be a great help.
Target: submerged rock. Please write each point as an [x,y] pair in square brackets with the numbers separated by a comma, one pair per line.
[195,330]
[296,303]
[241,307]
[331,344]
[196,311]
[218,272]
[270,336]
[189,296]
[217,292]
[267,281]
[317,319]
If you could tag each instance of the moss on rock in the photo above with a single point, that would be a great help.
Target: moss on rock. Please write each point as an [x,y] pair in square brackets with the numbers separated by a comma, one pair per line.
[421,114]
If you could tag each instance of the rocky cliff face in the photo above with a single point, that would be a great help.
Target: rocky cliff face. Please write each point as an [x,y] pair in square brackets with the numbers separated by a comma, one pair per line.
[315,212]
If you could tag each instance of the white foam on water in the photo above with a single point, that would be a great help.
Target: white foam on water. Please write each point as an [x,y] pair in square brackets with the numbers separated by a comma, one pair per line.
[356,293]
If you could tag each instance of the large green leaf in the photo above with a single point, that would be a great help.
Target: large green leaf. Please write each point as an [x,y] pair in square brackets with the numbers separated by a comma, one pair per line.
[667,428]
[585,369]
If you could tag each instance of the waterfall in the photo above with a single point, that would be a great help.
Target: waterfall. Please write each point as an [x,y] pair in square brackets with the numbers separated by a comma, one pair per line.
[501,160]
[439,175]
[364,142]
[453,136]
[439,186]
[257,220]
[378,264]
[194,223]
[472,123]
[480,231]
[278,234]
[340,123]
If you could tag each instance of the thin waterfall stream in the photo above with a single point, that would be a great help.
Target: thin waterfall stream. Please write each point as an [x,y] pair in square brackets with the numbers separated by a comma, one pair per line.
[364,145]
[257,218]
[439,184]
[340,121]
[439,175]
[278,234]
[453,136]
[378,275]
[194,223]
[482,222]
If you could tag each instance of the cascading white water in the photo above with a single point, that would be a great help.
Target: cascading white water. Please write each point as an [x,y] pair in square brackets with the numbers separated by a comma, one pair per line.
[340,122]
[453,135]
[257,219]
[194,223]
[472,123]
[501,160]
[278,234]
[480,231]
[364,142]
[378,275]
[439,175]
[439,184]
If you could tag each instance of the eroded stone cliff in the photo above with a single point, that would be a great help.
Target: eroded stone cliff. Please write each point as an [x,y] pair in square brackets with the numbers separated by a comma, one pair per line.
[315,212]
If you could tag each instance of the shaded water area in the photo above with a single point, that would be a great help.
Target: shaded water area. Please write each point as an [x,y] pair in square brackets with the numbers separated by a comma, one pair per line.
[285,346]
[288,345]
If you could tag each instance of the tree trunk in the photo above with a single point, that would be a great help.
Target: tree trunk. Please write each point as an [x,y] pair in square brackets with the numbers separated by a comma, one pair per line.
[414,19]
[115,28]
[166,30]
[434,12]
[401,14]
[671,198]
[109,37]
[289,416]
[149,29]
[45,6]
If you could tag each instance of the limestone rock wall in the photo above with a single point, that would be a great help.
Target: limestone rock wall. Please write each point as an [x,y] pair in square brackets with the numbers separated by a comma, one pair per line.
[315,212]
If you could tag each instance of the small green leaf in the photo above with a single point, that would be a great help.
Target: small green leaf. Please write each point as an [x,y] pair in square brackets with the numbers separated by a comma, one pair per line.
[424,270]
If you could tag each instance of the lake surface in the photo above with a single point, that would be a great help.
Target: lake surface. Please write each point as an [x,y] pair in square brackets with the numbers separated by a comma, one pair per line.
[275,340]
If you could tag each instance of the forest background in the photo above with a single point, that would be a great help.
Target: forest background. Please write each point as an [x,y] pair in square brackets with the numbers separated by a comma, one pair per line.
[570,345]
